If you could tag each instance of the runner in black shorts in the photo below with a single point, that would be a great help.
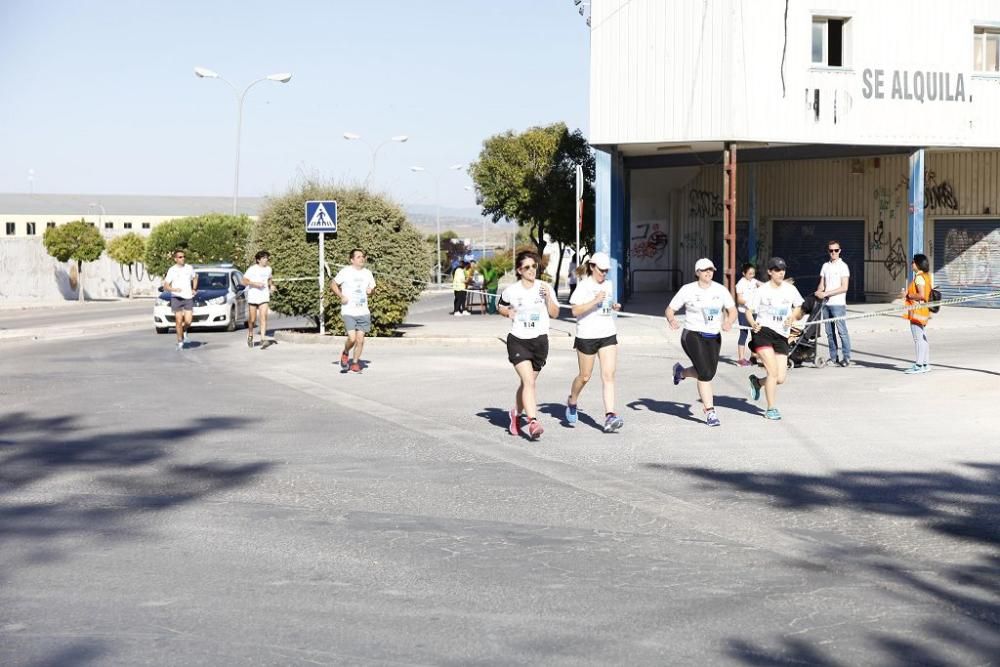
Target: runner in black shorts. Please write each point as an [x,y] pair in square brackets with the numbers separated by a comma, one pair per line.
[774,307]
[709,309]
[596,338]
[529,303]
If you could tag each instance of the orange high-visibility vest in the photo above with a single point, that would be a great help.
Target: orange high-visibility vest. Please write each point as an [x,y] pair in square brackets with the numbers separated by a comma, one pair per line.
[919,315]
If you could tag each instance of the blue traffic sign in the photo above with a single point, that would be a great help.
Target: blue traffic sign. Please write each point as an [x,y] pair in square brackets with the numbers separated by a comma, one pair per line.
[321,216]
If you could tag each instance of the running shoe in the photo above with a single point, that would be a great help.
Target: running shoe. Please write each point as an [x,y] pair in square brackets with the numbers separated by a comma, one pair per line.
[180,345]
[515,422]
[355,367]
[344,360]
[535,429]
[612,423]
[743,362]
[926,368]
[571,415]
[845,363]
[915,368]
[186,341]
[250,340]
[755,387]
[466,313]
[712,419]
[678,373]
[772,414]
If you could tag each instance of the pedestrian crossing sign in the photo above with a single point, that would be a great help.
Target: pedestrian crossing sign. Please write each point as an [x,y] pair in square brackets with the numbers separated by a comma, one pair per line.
[321,216]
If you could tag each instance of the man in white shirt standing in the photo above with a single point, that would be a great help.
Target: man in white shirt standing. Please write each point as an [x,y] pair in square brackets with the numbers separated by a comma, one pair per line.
[354,284]
[834,280]
[259,285]
[182,282]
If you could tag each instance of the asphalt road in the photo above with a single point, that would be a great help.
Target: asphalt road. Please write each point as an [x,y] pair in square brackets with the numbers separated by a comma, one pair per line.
[231,506]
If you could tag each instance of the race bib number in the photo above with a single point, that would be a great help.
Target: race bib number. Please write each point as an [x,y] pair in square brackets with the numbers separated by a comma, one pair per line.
[528,320]
[711,314]
[606,306]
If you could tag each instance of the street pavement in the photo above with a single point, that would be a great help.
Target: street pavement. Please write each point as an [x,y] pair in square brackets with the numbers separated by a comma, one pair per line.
[223,505]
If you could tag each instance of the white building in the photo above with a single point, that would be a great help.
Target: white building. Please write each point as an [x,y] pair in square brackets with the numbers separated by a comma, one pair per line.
[872,123]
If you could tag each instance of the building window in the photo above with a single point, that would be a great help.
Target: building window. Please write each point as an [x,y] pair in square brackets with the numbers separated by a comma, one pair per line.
[50,224]
[91,224]
[145,225]
[127,225]
[109,225]
[11,228]
[829,41]
[986,50]
[30,229]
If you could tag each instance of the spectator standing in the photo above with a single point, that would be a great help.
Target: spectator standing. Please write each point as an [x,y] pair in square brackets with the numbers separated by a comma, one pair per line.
[459,283]
[834,281]
[918,292]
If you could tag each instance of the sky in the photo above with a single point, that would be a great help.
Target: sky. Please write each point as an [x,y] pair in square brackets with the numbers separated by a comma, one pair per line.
[100,96]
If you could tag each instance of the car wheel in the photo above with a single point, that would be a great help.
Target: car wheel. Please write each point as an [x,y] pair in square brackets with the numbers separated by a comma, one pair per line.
[232,319]
[162,330]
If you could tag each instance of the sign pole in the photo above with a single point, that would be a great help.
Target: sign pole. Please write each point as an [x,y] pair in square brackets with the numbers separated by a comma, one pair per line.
[322,320]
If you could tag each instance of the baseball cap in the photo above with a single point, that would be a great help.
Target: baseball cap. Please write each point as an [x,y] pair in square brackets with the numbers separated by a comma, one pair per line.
[703,263]
[776,263]
[600,260]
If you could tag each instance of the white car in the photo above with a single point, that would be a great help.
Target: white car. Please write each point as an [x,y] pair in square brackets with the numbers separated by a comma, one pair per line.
[220,301]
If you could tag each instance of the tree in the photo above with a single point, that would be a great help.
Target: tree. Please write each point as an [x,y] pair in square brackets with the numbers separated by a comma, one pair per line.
[77,241]
[128,250]
[208,239]
[397,254]
[531,178]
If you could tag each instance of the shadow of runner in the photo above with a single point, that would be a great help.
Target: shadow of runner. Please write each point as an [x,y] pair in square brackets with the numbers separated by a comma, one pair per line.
[672,408]
[496,417]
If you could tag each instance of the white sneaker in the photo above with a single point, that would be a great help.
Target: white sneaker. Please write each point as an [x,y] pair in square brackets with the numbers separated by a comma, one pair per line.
[457,314]
[466,313]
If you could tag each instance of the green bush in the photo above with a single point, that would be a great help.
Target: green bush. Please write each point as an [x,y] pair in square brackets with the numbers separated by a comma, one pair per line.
[208,239]
[398,256]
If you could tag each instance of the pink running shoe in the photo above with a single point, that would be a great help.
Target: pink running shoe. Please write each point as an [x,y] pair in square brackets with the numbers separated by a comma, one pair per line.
[515,422]
[535,429]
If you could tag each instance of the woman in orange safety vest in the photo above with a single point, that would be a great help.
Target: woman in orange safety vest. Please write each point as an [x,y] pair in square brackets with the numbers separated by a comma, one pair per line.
[919,291]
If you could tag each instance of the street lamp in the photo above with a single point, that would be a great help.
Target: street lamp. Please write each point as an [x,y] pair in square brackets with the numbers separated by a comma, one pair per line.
[437,209]
[203,73]
[351,136]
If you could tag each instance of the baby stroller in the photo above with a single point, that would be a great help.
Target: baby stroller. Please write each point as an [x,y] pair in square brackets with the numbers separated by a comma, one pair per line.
[802,341]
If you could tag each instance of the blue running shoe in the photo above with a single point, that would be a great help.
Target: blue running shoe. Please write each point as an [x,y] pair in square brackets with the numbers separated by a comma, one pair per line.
[571,416]
[915,368]
[754,388]
[926,368]
[612,423]
[712,419]
[678,373]
[772,414]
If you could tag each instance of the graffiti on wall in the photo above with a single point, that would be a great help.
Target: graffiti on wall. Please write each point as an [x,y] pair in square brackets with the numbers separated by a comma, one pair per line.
[884,250]
[704,204]
[972,258]
[694,241]
[650,243]
[936,195]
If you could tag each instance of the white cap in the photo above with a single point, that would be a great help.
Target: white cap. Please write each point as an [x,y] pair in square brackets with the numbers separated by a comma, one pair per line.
[703,263]
[600,260]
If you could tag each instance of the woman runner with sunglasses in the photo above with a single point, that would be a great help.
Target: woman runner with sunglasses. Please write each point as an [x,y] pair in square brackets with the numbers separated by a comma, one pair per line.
[529,303]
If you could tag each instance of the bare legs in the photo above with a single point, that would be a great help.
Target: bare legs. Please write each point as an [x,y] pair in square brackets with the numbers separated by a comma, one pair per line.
[525,397]
[356,340]
[776,366]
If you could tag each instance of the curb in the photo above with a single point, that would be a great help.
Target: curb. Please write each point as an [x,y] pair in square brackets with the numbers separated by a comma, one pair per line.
[57,333]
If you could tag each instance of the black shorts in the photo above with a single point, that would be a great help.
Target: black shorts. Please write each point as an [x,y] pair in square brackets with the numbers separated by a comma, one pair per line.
[703,352]
[769,338]
[257,305]
[535,350]
[592,345]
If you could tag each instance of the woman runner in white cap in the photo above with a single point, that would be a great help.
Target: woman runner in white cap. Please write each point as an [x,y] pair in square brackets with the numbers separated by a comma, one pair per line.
[709,309]
[596,338]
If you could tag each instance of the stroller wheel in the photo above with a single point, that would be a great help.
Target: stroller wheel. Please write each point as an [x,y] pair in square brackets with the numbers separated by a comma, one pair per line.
[791,364]
[820,363]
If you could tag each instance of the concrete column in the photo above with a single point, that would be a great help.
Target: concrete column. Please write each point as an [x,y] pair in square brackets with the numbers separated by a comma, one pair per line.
[753,222]
[609,213]
[915,219]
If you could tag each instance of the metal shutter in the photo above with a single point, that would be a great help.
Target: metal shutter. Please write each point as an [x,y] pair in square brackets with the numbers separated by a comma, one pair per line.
[967,259]
[802,244]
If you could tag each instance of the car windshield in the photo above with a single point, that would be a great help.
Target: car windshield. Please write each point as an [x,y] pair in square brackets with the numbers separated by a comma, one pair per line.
[213,280]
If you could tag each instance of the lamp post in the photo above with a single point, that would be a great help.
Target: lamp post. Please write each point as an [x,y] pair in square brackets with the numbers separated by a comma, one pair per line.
[203,73]
[437,209]
[351,136]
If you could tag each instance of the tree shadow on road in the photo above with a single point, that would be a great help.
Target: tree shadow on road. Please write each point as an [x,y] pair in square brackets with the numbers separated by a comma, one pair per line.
[961,509]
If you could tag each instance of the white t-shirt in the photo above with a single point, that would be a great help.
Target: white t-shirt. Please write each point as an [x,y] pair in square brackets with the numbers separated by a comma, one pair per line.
[258,274]
[355,283]
[772,305]
[531,314]
[599,322]
[746,288]
[703,306]
[180,278]
[832,273]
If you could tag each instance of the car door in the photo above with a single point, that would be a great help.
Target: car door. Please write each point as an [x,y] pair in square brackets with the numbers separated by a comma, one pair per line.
[241,296]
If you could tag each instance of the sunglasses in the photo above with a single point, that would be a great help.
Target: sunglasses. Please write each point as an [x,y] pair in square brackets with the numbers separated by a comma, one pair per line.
[832,250]
[529,266]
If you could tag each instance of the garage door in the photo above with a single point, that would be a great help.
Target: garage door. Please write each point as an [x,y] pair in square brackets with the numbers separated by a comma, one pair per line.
[802,243]
[967,259]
